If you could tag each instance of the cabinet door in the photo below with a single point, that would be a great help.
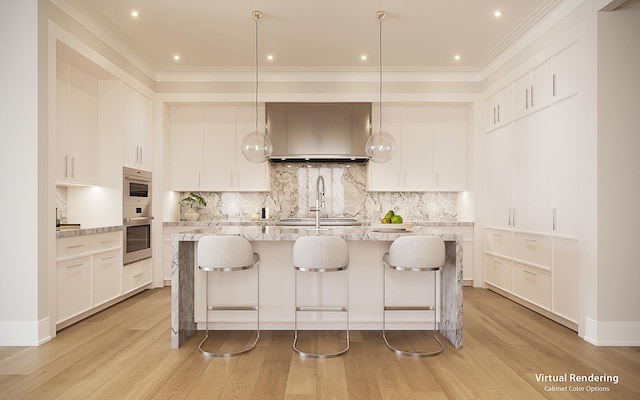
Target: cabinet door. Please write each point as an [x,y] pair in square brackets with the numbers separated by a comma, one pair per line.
[417,149]
[131,151]
[107,278]
[541,90]
[491,112]
[186,147]
[62,115]
[252,177]
[521,97]
[219,144]
[497,177]
[565,73]
[565,278]
[566,128]
[73,287]
[504,106]
[450,147]
[531,172]
[145,141]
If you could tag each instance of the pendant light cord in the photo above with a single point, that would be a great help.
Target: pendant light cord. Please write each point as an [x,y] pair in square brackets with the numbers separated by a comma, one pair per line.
[380,71]
[257,20]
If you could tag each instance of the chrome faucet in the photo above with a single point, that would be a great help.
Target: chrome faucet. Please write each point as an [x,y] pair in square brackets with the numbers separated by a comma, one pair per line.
[319,200]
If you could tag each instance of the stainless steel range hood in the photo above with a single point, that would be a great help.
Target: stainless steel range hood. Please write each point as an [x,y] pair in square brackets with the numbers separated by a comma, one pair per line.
[318,131]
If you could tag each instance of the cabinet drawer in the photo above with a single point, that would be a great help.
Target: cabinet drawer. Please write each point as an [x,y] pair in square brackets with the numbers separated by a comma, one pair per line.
[73,287]
[85,244]
[136,275]
[498,242]
[532,249]
[107,276]
[532,284]
[498,272]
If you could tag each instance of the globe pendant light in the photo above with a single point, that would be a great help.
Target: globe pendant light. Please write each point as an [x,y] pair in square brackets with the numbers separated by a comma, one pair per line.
[380,146]
[256,146]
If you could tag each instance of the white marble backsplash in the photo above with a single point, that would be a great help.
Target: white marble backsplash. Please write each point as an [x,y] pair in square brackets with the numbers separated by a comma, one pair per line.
[294,192]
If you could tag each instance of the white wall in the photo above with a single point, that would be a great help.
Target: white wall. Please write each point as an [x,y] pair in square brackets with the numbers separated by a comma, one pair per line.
[19,231]
[617,317]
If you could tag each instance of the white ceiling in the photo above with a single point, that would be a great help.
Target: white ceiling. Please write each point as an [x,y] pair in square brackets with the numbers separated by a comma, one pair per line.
[418,35]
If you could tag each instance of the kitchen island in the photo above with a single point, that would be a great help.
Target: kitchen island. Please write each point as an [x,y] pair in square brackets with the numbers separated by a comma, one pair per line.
[275,243]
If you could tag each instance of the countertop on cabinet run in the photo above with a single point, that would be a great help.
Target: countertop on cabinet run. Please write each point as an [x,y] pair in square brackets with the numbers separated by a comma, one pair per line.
[88,231]
[277,233]
[268,222]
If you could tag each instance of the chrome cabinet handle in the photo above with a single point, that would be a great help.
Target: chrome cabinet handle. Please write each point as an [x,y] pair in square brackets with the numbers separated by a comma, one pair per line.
[554,219]
[75,246]
[553,85]
[529,272]
[66,172]
[75,265]
[531,95]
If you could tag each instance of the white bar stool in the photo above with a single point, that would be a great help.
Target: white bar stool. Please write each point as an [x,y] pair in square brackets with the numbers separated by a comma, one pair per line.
[320,254]
[420,254]
[228,254]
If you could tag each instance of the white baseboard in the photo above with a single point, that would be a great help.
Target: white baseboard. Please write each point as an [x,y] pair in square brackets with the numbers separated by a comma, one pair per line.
[24,333]
[612,333]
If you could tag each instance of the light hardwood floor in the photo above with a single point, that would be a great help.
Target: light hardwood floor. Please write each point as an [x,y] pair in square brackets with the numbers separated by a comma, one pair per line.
[124,352]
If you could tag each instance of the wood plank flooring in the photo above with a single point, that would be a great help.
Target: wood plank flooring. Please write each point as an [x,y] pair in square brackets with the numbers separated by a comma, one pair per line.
[124,352]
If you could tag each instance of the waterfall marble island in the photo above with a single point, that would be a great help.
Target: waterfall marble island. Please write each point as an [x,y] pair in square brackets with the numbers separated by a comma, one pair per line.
[277,277]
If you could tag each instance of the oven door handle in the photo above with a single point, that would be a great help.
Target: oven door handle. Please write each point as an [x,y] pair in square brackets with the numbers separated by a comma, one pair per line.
[137,220]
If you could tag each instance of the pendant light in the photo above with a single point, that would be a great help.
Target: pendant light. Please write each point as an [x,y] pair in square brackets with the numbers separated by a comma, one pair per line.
[380,146]
[256,146]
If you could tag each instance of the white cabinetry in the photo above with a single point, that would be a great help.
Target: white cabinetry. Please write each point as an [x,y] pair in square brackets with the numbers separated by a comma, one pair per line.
[88,274]
[136,275]
[498,109]
[137,129]
[431,149]
[533,91]
[77,132]
[531,173]
[206,153]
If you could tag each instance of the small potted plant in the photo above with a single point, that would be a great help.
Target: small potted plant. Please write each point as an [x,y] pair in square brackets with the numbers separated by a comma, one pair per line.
[191,200]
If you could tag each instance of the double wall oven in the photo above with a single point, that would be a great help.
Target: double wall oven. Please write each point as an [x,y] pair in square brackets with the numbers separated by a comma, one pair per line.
[137,214]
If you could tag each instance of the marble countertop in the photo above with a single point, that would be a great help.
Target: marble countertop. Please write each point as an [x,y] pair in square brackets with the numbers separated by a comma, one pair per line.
[269,222]
[276,233]
[63,233]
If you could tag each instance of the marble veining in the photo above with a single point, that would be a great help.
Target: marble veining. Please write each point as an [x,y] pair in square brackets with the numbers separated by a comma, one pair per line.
[293,187]
[182,272]
[89,231]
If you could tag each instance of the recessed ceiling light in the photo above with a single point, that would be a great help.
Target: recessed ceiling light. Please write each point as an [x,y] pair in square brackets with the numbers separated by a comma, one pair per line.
[176,57]
[270,57]
[497,13]
[363,57]
[135,13]
[457,57]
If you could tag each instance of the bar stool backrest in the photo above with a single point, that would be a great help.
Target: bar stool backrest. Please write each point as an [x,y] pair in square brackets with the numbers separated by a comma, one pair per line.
[320,252]
[417,252]
[224,252]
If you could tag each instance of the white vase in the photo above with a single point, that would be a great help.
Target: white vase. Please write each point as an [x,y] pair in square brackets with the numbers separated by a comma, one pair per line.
[191,215]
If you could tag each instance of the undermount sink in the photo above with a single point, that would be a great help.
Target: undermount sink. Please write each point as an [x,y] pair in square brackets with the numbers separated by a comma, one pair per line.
[323,222]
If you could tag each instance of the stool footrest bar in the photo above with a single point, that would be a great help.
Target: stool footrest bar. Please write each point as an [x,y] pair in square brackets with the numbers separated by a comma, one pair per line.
[409,308]
[318,308]
[232,308]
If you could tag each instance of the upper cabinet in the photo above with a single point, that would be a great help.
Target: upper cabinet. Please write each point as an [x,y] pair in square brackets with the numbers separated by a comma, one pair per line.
[431,149]
[137,129]
[77,125]
[206,153]
[498,109]
[565,73]
[533,90]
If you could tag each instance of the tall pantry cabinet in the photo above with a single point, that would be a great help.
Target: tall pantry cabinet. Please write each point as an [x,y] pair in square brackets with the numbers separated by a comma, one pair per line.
[530,188]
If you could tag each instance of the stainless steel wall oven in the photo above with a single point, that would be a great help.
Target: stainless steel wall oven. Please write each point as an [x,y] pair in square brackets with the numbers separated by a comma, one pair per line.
[137,214]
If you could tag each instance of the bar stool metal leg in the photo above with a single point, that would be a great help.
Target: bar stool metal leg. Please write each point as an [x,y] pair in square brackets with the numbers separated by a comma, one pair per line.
[410,308]
[255,308]
[320,309]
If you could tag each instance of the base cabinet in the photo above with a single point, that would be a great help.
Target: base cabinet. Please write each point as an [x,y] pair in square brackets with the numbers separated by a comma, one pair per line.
[73,285]
[90,275]
[136,275]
